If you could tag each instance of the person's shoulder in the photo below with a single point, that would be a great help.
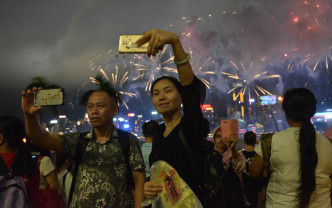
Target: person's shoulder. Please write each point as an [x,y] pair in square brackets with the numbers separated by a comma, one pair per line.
[123,133]
[45,158]
[324,140]
[291,131]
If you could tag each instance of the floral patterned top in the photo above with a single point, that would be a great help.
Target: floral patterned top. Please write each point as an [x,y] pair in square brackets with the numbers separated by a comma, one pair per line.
[102,178]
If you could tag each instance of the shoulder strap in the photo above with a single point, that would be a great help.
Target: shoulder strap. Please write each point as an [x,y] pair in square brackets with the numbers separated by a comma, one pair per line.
[125,147]
[266,140]
[64,179]
[80,149]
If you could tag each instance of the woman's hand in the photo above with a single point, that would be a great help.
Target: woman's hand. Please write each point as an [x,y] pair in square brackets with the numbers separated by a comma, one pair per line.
[222,144]
[152,189]
[157,39]
[27,102]
[234,139]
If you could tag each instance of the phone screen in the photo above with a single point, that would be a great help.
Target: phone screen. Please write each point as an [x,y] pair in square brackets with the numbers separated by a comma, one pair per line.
[268,100]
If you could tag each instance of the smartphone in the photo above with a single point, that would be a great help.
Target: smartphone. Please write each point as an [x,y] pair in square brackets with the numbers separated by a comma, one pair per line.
[48,97]
[35,157]
[127,44]
[229,127]
[267,100]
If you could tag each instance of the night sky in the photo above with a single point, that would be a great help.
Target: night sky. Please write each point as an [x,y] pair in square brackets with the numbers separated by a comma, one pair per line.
[66,42]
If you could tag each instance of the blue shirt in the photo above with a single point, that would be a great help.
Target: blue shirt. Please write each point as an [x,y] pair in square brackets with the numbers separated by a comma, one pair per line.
[146,150]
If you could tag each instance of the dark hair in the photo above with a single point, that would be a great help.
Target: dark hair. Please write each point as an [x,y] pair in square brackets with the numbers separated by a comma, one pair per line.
[41,151]
[104,86]
[150,129]
[61,158]
[299,104]
[85,97]
[250,138]
[205,128]
[171,79]
[13,131]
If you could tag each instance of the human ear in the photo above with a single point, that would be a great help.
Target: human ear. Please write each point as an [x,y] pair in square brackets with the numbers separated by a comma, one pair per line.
[2,140]
[116,110]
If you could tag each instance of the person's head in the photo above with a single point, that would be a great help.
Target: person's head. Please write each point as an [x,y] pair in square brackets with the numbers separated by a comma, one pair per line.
[62,161]
[40,151]
[102,104]
[12,132]
[150,129]
[299,105]
[166,95]
[250,138]
[101,107]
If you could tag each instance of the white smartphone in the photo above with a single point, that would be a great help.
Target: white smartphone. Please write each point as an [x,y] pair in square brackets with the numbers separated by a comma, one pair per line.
[127,44]
[48,97]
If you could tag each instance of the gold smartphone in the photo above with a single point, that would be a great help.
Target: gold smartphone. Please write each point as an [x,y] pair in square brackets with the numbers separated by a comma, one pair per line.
[127,44]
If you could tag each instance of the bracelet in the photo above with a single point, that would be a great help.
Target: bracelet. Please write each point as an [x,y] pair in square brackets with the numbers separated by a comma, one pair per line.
[178,63]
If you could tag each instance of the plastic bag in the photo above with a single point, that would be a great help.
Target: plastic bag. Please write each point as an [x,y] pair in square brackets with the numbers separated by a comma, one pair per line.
[176,193]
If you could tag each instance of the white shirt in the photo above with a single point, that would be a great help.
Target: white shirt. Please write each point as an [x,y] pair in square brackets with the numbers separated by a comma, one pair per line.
[46,166]
[282,190]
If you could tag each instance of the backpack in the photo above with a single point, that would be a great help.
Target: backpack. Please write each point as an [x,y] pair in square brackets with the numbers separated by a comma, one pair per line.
[220,187]
[13,192]
[80,148]
[266,140]
[48,198]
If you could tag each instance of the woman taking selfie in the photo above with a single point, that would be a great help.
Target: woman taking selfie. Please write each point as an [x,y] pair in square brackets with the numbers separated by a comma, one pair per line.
[301,158]
[167,95]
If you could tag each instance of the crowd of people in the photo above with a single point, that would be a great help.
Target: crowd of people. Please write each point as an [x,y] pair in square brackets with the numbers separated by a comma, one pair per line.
[107,167]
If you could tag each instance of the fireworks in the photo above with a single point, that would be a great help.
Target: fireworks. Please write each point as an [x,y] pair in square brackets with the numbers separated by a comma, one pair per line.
[109,62]
[199,63]
[117,83]
[202,63]
[311,29]
[101,61]
[245,79]
[153,67]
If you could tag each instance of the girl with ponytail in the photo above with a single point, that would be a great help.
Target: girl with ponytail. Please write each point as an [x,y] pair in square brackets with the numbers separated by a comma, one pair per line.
[301,158]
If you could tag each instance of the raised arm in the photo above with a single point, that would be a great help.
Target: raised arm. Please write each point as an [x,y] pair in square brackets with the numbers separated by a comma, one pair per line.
[37,134]
[157,39]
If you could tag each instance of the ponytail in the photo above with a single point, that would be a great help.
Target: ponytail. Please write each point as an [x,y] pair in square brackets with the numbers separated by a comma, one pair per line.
[308,158]
[299,105]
